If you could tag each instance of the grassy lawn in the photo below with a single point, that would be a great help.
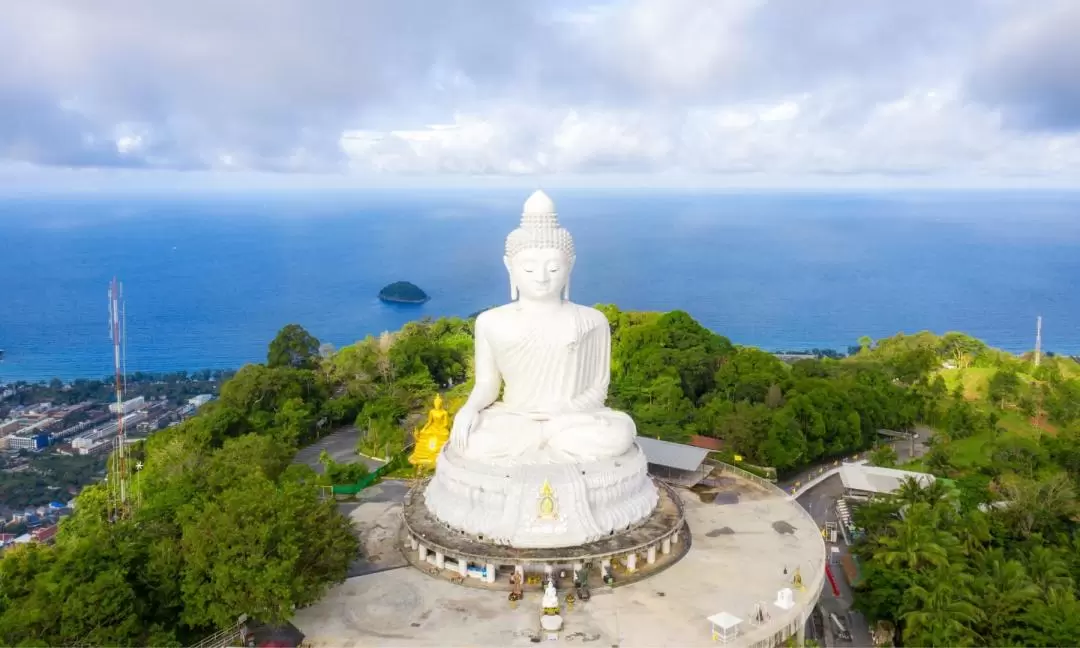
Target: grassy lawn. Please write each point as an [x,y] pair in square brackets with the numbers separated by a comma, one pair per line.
[976,380]
[970,452]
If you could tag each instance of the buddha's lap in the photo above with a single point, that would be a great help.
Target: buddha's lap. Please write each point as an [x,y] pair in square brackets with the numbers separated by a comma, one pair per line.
[606,432]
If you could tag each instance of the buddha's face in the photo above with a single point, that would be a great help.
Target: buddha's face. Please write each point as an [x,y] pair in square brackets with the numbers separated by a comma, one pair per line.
[539,274]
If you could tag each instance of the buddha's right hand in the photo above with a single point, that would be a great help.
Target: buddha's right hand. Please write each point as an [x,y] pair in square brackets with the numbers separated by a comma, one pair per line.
[464,421]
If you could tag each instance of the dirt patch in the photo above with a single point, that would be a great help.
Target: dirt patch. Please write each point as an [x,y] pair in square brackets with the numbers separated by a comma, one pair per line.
[782,527]
[716,533]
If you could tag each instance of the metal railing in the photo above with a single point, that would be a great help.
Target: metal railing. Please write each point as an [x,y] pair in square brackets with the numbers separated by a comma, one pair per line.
[223,638]
[746,474]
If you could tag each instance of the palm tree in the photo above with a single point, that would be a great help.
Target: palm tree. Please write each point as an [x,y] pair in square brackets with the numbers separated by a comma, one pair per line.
[1048,571]
[915,542]
[935,492]
[909,492]
[943,615]
[975,533]
[1003,591]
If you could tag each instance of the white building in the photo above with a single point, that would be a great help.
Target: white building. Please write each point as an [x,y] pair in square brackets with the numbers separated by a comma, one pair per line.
[862,481]
[200,400]
[33,442]
[105,432]
[128,406]
[94,447]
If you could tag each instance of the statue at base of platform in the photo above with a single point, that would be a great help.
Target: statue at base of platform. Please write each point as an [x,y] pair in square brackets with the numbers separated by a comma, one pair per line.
[548,464]
[550,601]
[429,440]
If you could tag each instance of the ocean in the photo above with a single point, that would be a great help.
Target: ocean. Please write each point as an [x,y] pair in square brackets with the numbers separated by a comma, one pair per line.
[209,279]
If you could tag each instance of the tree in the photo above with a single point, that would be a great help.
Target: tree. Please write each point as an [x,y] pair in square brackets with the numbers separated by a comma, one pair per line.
[938,460]
[1003,387]
[961,348]
[914,543]
[293,347]
[884,456]
[262,549]
[941,614]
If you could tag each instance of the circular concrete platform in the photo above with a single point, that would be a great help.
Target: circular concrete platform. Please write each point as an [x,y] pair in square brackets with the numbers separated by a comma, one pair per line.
[630,555]
[748,541]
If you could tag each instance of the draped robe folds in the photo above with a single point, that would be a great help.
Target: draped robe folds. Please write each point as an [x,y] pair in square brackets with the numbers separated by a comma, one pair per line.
[556,371]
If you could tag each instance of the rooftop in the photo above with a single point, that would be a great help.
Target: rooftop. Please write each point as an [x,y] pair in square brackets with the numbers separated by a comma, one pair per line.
[672,455]
[873,479]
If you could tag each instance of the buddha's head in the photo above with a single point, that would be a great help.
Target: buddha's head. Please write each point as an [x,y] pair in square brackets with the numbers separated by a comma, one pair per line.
[539,253]
[438,401]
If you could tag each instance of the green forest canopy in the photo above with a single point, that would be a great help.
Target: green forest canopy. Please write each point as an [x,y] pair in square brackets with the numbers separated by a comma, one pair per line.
[228,526]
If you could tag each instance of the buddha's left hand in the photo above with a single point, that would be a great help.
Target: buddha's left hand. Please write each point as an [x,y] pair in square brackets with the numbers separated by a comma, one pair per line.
[464,421]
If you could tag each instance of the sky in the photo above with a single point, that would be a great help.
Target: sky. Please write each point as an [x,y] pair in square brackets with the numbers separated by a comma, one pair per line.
[697,93]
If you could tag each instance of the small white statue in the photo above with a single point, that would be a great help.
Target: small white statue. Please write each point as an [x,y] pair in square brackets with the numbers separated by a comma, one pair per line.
[551,597]
[785,599]
[554,357]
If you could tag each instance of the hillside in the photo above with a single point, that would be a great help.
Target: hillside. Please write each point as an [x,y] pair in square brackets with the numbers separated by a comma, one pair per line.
[221,524]
[990,557]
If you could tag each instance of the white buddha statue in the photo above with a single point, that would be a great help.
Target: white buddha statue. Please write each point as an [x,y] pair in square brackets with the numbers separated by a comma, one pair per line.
[548,465]
[553,356]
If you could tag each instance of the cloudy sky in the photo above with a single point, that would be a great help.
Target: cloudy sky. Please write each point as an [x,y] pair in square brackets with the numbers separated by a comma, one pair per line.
[700,92]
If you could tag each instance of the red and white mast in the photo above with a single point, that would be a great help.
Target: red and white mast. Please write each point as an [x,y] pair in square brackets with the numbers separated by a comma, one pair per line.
[118,334]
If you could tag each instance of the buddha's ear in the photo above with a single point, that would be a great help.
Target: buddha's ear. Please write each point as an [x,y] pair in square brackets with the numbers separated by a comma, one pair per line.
[510,272]
[569,275]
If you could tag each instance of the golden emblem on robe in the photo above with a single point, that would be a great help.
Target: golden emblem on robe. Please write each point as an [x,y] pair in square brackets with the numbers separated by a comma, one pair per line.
[548,505]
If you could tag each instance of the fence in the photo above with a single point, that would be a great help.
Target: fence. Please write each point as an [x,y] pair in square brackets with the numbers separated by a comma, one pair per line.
[745,474]
[227,637]
[399,460]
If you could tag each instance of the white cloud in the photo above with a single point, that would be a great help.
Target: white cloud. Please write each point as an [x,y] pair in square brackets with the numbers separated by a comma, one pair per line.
[693,88]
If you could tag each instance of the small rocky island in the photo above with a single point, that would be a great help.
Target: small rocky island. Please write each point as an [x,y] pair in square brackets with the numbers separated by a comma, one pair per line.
[403,292]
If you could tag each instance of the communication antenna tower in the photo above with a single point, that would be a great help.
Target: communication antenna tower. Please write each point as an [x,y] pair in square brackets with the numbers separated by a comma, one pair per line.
[1038,340]
[118,473]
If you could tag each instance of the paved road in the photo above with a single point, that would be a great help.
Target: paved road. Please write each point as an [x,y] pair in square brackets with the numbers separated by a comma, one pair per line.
[820,502]
[341,444]
[375,515]
[903,452]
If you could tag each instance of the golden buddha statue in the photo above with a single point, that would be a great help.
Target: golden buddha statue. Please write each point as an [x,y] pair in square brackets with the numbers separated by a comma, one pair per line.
[429,440]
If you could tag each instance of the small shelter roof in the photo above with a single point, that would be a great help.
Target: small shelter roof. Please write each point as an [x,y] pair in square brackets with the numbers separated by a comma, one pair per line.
[724,620]
[874,479]
[672,455]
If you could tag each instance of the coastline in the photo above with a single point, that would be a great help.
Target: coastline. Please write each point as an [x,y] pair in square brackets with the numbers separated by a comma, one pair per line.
[7,378]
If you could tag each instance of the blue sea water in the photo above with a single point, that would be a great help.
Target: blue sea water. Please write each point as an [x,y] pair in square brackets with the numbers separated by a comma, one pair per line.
[210,278]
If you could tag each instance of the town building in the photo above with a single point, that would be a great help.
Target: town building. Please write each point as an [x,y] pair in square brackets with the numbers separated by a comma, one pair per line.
[12,425]
[22,441]
[128,406]
[200,400]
